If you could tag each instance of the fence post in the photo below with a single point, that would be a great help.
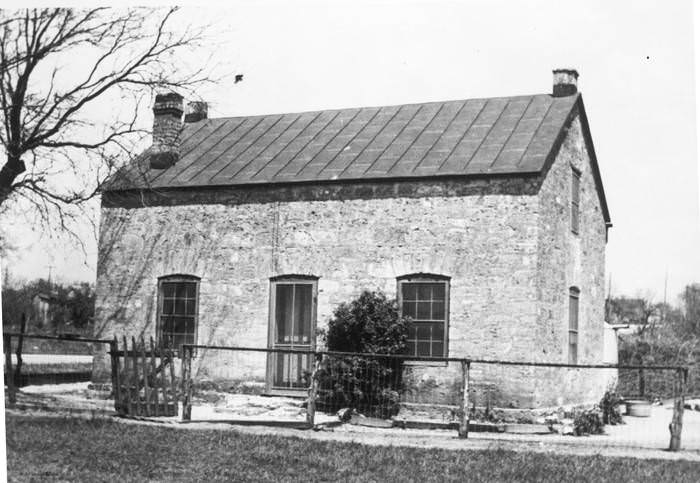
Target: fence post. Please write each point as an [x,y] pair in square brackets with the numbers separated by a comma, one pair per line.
[186,383]
[20,343]
[464,403]
[676,426]
[9,376]
[313,390]
[116,389]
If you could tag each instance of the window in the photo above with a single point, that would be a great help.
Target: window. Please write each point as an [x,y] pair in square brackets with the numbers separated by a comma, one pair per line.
[177,309]
[292,327]
[425,299]
[573,325]
[575,197]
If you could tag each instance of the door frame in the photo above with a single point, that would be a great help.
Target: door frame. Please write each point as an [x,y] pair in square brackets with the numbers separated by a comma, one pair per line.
[272,326]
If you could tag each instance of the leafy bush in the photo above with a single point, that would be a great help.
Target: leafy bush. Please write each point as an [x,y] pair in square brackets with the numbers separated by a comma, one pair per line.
[371,385]
[609,407]
[587,422]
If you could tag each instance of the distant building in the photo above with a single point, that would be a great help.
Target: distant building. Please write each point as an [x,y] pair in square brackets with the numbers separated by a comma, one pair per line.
[43,307]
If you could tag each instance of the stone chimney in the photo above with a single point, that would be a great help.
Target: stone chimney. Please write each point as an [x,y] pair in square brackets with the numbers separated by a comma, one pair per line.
[196,111]
[167,124]
[565,82]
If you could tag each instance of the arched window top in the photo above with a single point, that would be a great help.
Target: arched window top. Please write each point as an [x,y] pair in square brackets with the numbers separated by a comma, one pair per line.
[292,277]
[422,276]
[185,277]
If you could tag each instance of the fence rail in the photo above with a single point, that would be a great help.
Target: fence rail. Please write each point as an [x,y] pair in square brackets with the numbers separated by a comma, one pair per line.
[148,380]
[372,383]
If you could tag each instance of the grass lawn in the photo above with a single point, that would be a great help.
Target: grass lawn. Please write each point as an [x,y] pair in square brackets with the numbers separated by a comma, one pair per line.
[41,449]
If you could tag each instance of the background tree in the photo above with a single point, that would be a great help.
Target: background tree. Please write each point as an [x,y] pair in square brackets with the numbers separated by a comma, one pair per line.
[62,71]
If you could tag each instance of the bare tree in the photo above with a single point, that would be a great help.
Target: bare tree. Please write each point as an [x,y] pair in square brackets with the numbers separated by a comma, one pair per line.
[61,70]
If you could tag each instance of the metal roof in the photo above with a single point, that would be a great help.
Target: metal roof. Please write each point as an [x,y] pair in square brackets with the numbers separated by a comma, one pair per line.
[502,135]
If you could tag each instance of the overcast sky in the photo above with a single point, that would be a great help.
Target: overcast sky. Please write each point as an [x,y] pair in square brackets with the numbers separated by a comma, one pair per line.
[635,60]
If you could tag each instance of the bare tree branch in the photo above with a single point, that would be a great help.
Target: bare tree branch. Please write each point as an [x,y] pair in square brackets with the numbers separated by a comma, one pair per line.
[49,133]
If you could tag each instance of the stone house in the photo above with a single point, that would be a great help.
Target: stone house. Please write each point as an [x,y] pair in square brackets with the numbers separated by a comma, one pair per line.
[486,218]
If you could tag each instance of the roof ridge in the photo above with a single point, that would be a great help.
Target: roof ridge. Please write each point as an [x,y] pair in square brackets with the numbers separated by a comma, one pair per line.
[382,106]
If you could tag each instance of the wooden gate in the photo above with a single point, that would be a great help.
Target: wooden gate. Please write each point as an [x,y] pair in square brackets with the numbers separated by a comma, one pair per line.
[143,379]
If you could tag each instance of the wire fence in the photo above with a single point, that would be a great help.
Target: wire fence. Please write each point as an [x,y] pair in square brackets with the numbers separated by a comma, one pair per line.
[591,404]
[597,404]
[53,373]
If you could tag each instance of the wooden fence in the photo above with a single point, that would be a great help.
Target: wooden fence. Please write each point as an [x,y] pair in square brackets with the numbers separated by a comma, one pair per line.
[143,378]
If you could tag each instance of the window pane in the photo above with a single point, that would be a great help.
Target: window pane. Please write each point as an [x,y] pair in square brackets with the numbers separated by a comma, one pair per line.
[283,312]
[190,306]
[439,291]
[411,348]
[191,289]
[166,324]
[178,340]
[438,310]
[438,349]
[413,331]
[168,306]
[423,312]
[179,306]
[180,324]
[423,331]
[408,291]
[438,331]
[181,290]
[423,348]
[169,289]
[573,312]
[409,309]
[424,291]
[302,313]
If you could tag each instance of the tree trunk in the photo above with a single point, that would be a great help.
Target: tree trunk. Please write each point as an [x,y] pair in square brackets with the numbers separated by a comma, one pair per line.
[9,172]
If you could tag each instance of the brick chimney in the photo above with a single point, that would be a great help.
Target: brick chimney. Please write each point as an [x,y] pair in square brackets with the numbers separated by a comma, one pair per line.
[196,111]
[565,82]
[167,124]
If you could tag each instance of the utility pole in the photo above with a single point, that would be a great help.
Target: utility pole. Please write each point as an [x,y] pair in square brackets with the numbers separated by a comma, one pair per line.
[663,313]
[50,267]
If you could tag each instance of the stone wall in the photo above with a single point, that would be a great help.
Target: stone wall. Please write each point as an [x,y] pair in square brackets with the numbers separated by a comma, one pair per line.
[510,266]
[569,260]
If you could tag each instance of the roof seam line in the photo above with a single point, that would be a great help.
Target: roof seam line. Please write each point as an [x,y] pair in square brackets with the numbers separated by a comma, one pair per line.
[403,128]
[266,147]
[449,124]
[393,116]
[481,143]
[209,149]
[415,138]
[534,134]
[250,144]
[286,145]
[510,135]
[351,140]
[419,135]
[464,134]
[307,144]
[201,170]
[330,141]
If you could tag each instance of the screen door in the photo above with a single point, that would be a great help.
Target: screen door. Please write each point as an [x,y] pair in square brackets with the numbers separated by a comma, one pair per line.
[292,328]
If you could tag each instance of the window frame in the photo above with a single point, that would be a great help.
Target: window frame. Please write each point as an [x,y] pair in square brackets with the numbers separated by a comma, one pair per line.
[175,278]
[575,201]
[427,278]
[573,327]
